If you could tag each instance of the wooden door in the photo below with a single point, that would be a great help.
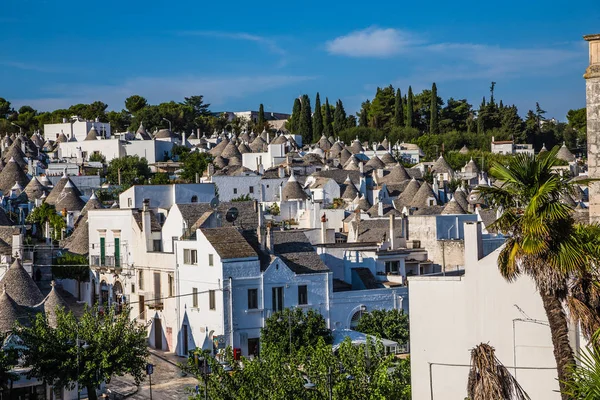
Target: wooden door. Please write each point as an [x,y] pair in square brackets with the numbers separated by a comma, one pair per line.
[157,334]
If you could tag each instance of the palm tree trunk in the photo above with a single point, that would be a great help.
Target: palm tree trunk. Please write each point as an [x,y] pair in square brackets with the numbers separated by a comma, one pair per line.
[559,329]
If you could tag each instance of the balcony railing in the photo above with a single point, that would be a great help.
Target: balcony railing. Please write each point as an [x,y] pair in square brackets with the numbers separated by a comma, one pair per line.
[154,301]
[106,261]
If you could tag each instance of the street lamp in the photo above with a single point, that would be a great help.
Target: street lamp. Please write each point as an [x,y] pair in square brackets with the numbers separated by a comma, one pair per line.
[80,345]
[164,119]
[18,126]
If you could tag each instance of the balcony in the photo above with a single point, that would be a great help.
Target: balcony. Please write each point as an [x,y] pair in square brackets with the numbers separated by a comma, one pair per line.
[154,301]
[106,262]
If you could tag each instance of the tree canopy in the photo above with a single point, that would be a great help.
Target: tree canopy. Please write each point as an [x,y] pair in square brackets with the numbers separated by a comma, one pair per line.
[385,324]
[127,171]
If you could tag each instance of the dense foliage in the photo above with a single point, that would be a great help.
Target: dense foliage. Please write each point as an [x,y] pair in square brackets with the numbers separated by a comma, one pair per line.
[89,350]
[128,171]
[47,214]
[353,372]
[294,327]
[9,358]
[71,266]
[385,324]
[194,163]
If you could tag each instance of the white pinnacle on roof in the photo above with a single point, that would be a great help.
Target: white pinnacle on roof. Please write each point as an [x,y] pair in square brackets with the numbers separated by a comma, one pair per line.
[68,184]
[93,196]
[12,159]
[17,186]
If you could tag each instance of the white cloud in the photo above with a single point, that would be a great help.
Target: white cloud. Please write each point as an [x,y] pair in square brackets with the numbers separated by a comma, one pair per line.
[371,42]
[216,90]
[269,44]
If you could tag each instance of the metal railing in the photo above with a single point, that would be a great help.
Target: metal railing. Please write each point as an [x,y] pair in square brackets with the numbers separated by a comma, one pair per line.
[106,261]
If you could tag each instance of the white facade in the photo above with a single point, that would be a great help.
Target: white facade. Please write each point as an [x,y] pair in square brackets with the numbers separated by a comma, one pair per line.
[234,186]
[76,128]
[274,156]
[449,315]
[165,196]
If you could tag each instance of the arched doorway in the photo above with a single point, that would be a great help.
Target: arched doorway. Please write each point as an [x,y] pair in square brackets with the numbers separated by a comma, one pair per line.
[94,298]
[104,294]
[117,299]
[356,317]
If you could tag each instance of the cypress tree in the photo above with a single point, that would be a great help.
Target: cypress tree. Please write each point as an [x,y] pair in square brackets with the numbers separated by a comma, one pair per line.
[409,109]
[327,127]
[398,111]
[363,119]
[434,124]
[481,118]
[317,120]
[339,117]
[294,124]
[305,127]
[261,117]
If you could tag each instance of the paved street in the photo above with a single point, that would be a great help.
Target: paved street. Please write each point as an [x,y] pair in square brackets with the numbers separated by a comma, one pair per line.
[167,383]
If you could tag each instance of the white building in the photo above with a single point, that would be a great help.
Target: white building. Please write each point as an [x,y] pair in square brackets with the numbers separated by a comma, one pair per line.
[449,315]
[76,129]
[510,147]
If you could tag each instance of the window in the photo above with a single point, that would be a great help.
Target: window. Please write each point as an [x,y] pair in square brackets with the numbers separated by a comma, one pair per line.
[251,188]
[195,297]
[171,285]
[211,261]
[129,202]
[141,279]
[102,251]
[117,252]
[157,245]
[252,299]
[234,190]
[277,298]
[194,199]
[302,294]
[392,267]
[190,256]
[211,300]
[132,288]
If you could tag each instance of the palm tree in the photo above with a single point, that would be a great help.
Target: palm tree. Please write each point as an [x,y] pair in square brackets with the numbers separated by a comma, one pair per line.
[489,379]
[542,241]
[585,378]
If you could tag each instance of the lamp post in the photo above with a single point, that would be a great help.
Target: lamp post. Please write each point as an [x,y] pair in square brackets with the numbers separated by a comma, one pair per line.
[80,345]
[290,326]
[164,119]
[18,126]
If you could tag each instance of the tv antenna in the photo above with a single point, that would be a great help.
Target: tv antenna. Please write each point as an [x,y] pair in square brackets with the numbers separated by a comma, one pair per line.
[214,203]
[232,214]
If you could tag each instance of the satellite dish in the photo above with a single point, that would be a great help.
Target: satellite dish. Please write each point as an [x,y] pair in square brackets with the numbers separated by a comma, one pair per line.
[232,214]
[214,203]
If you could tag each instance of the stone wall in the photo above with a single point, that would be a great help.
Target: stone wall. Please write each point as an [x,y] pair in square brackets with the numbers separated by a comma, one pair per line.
[592,76]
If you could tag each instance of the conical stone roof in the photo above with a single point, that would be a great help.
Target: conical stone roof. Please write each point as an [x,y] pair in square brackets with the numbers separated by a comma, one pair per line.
[62,138]
[335,150]
[461,198]
[243,148]
[464,150]
[92,134]
[442,166]
[231,151]
[20,286]
[375,163]
[356,147]
[324,143]
[565,154]
[397,175]
[58,188]
[51,303]
[409,193]
[387,158]
[69,199]
[471,167]
[16,154]
[218,149]
[362,203]
[279,140]
[10,312]
[10,174]
[292,190]
[345,155]
[92,204]
[349,190]
[34,189]
[220,162]
[423,194]
[453,208]
[385,144]
[258,145]
[164,134]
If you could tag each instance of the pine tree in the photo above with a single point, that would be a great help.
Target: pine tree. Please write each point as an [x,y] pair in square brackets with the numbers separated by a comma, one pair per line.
[327,126]
[261,117]
[481,118]
[398,111]
[434,127]
[317,120]
[294,123]
[339,117]
[305,127]
[409,109]
[363,117]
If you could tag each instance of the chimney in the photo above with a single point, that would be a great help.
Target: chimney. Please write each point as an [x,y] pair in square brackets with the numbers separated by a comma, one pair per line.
[324,229]
[17,244]
[23,146]
[473,243]
[261,169]
[361,167]
[380,209]
[281,172]
[392,231]
[146,224]
[210,169]
[260,227]
[269,238]
[183,138]
[592,88]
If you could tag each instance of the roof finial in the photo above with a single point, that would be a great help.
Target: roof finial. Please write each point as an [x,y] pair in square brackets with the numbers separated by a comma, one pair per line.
[52,283]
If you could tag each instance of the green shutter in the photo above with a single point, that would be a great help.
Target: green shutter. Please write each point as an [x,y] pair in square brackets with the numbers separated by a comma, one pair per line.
[117,252]
[102,251]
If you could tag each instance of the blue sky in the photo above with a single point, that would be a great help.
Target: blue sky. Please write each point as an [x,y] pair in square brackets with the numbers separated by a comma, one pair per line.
[240,54]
